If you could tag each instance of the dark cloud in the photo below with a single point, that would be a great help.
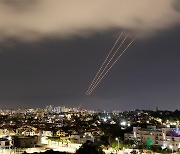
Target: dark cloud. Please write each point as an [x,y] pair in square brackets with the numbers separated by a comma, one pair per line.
[176,5]
[19,6]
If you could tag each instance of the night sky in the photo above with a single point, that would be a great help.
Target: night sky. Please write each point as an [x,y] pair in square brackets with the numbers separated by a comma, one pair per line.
[57,70]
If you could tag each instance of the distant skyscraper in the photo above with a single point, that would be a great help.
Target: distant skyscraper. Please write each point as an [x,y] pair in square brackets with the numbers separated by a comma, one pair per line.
[49,108]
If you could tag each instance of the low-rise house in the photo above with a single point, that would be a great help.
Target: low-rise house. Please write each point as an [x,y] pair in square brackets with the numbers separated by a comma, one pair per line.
[27,131]
[47,133]
[7,132]
[61,133]
[5,143]
[26,141]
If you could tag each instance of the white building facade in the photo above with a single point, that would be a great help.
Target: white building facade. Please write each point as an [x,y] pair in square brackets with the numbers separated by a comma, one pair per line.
[163,137]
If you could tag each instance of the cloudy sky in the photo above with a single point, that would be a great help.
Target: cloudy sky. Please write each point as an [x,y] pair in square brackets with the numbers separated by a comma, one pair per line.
[50,51]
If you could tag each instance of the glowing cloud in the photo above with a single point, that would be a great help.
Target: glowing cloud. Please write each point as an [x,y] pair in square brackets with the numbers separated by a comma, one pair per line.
[35,19]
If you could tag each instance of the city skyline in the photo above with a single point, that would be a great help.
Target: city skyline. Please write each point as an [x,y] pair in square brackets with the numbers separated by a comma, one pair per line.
[51,69]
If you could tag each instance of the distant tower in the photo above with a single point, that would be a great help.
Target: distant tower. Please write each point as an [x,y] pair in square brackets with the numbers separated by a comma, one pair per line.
[157,109]
[177,128]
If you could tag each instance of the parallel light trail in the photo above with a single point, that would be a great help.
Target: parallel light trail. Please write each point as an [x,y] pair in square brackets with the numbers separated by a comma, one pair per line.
[100,78]
[107,64]
[104,62]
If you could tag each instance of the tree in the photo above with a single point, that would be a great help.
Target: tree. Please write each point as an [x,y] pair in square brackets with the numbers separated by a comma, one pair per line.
[90,148]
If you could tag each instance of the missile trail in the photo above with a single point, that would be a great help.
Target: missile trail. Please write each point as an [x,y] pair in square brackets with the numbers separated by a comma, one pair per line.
[107,64]
[105,61]
[92,89]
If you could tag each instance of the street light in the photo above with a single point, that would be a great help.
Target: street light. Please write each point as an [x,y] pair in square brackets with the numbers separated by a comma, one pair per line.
[117,139]
[171,147]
